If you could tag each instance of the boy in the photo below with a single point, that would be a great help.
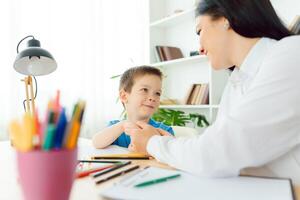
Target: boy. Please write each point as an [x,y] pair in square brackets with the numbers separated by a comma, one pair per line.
[139,92]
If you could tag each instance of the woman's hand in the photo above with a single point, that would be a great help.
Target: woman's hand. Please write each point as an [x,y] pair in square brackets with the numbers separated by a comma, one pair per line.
[140,136]
[164,133]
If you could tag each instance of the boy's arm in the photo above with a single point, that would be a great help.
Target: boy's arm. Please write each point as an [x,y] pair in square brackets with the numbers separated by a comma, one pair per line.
[108,135]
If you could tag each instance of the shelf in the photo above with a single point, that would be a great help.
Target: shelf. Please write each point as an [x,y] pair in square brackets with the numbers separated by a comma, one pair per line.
[214,106]
[177,29]
[188,60]
[174,19]
[188,106]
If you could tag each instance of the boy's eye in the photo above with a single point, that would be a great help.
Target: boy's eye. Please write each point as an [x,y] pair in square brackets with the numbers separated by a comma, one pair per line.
[158,94]
[198,31]
[144,89]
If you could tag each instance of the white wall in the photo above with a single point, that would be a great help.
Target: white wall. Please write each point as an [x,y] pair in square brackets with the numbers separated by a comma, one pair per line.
[90,40]
[287,9]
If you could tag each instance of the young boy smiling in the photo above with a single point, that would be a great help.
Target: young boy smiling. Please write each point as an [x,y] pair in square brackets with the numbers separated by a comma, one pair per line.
[139,92]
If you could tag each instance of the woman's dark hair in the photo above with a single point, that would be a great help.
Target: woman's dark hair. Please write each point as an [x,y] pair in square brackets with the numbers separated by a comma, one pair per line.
[249,18]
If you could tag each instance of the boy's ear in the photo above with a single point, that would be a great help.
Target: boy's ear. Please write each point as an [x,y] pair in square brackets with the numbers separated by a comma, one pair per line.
[123,96]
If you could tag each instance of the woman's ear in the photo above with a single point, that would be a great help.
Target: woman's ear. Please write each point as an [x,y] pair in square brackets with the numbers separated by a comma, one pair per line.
[226,24]
[123,95]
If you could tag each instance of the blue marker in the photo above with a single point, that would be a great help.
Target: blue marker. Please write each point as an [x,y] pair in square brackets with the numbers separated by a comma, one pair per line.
[60,130]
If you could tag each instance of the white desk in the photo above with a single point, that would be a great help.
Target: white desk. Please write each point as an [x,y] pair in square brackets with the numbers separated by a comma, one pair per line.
[82,189]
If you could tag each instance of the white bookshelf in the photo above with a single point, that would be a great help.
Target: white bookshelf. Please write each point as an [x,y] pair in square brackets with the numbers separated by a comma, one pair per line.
[178,29]
[174,18]
[181,61]
[188,106]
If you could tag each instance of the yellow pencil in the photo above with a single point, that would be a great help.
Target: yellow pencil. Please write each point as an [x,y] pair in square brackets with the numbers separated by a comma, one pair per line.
[15,133]
[27,132]
[22,133]
[122,156]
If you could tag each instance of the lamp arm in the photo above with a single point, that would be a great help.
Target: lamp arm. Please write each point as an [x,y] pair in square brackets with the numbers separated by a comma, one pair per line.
[23,40]
[35,94]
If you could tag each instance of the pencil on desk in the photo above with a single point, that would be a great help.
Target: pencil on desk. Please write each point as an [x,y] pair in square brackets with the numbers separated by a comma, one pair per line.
[90,171]
[158,180]
[118,166]
[100,161]
[118,158]
[118,174]
[140,173]
[129,156]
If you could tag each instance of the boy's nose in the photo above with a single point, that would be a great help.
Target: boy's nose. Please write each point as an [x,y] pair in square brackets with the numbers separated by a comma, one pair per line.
[151,98]
[202,51]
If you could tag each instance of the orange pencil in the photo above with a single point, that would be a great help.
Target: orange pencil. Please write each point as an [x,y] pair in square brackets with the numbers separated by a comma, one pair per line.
[57,106]
[75,126]
[90,171]
[73,135]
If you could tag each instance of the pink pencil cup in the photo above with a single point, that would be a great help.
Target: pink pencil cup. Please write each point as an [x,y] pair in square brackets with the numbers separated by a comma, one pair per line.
[47,175]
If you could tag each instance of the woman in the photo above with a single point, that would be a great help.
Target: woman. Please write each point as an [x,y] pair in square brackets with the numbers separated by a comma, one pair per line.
[258,123]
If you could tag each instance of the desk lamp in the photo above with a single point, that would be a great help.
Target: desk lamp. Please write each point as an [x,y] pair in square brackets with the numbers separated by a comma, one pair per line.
[33,61]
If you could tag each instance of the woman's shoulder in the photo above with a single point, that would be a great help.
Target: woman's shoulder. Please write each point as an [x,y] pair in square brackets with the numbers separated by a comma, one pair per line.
[285,50]
[287,45]
[282,58]
[291,41]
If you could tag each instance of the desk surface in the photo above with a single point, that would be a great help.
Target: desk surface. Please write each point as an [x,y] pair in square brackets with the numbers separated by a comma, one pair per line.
[84,188]
[94,191]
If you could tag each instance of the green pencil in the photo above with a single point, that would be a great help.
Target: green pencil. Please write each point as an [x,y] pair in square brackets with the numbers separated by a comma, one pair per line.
[159,180]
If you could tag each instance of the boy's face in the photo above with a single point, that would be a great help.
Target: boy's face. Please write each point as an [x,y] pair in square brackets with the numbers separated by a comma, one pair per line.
[143,100]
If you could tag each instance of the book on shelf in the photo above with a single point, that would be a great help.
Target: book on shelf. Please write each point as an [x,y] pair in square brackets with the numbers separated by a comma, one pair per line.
[159,54]
[205,98]
[190,95]
[200,94]
[169,102]
[197,94]
[295,25]
[166,53]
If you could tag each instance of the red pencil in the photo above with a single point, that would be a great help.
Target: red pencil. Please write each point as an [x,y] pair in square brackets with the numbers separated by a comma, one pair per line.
[88,172]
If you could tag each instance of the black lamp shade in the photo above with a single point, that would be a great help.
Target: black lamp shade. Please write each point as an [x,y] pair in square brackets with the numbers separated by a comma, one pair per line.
[34,60]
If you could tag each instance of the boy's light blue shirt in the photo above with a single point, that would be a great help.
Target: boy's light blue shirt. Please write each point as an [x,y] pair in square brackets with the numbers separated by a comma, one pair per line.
[124,140]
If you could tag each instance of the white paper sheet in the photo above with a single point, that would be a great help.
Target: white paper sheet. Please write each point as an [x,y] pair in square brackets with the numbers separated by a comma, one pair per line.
[86,149]
[191,187]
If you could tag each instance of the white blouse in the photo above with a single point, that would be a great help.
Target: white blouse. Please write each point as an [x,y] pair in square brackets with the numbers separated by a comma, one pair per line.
[258,123]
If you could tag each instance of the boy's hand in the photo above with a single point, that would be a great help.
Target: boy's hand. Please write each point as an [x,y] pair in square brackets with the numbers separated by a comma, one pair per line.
[129,125]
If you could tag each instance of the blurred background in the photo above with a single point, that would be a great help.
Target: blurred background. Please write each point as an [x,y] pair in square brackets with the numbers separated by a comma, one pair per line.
[91,40]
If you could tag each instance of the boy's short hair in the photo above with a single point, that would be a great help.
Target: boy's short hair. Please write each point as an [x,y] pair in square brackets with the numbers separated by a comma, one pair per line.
[130,75]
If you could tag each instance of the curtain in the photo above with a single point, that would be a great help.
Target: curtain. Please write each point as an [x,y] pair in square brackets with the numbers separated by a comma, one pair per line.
[91,41]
